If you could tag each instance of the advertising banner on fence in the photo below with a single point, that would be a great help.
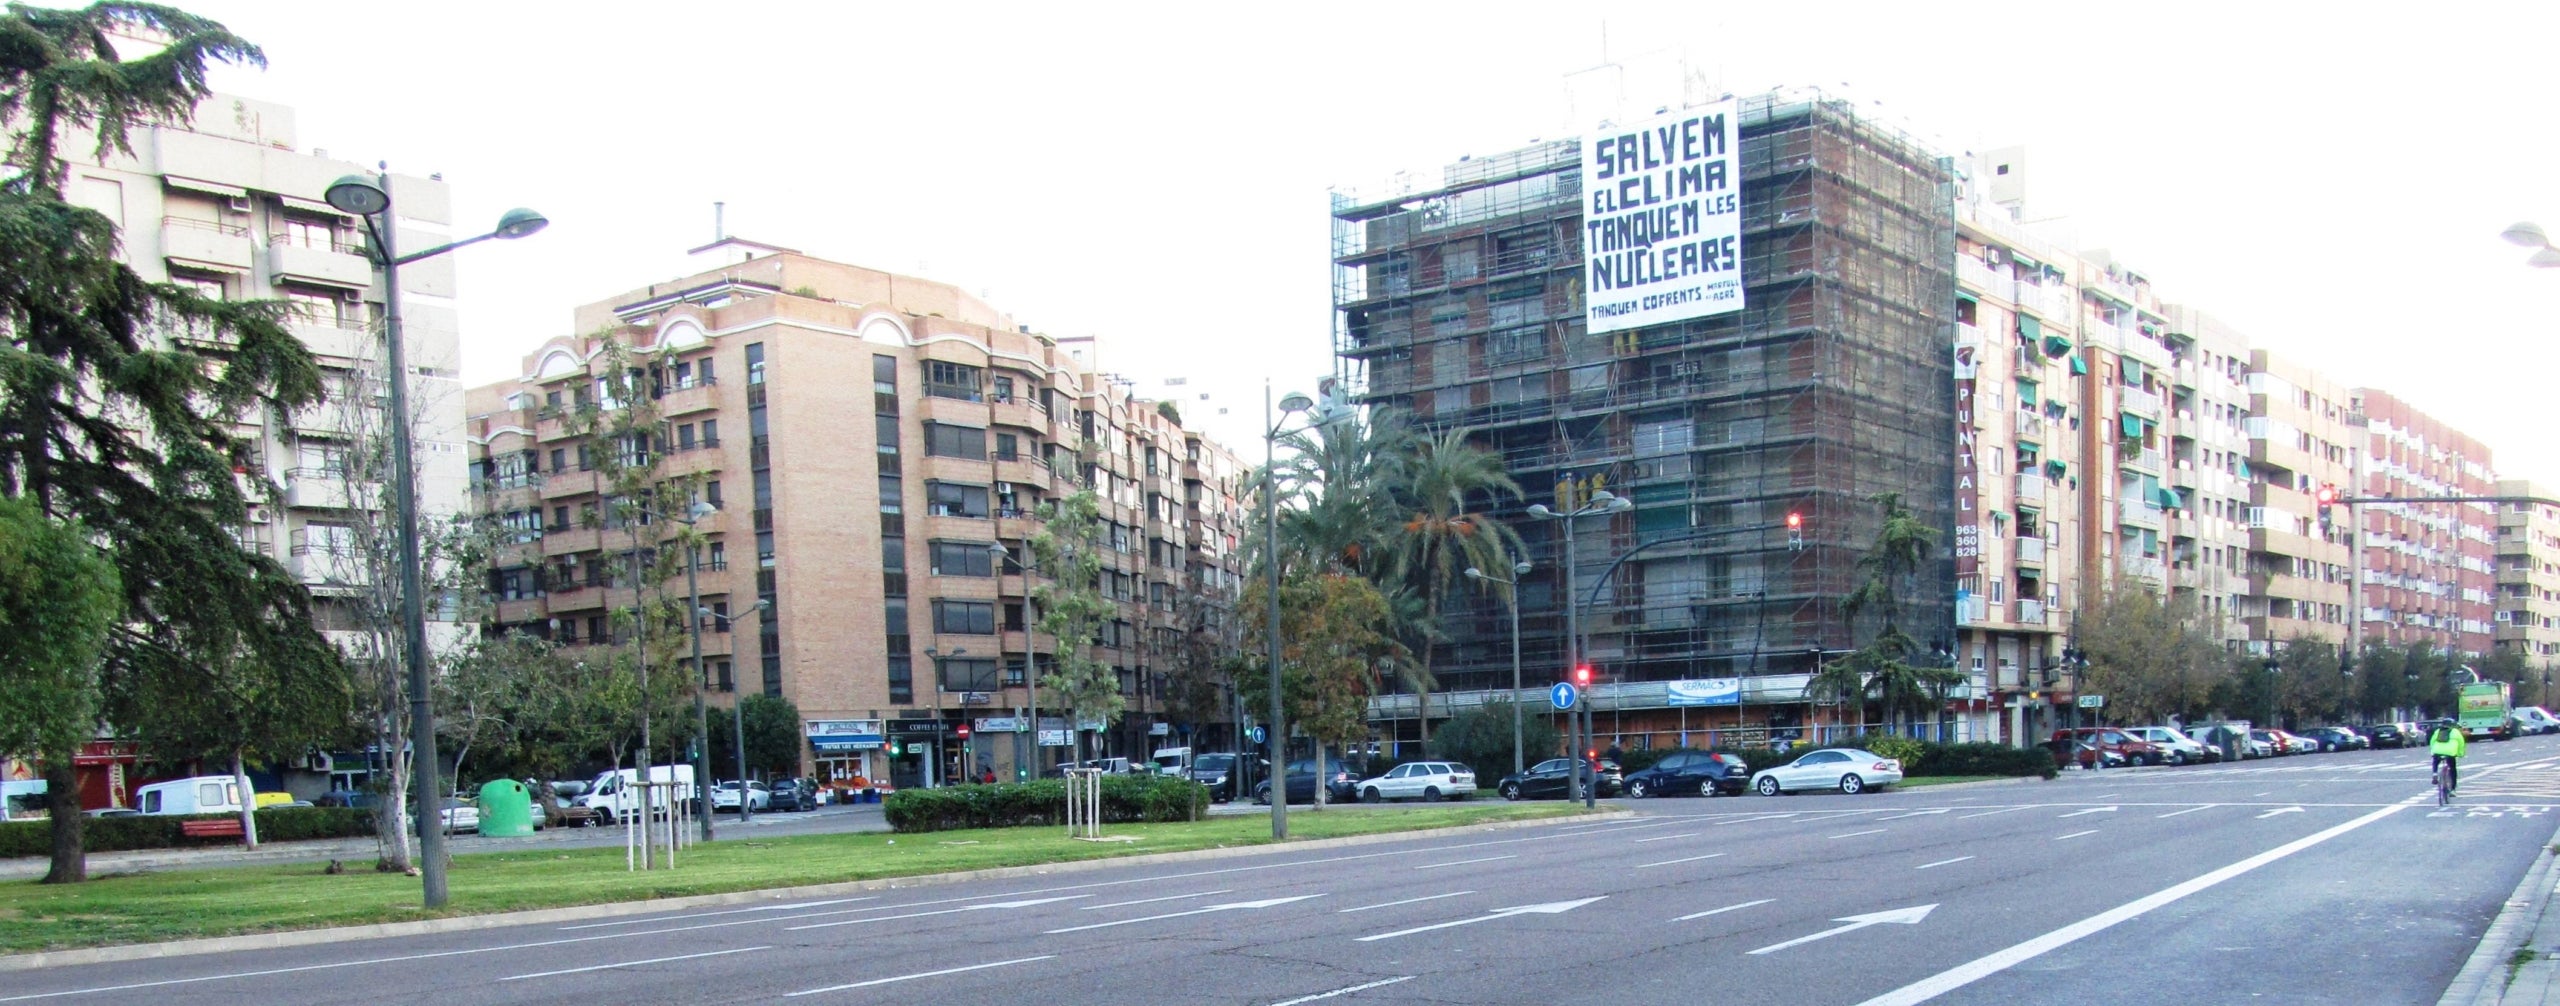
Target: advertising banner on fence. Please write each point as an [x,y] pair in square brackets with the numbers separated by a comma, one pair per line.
[1708,692]
[1662,219]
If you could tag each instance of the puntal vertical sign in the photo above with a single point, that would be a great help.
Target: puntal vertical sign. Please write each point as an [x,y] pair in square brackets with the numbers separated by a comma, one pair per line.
[1662,219]
[1968,478]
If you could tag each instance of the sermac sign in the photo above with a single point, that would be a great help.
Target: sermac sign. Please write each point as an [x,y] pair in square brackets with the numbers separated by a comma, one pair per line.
[1662,220]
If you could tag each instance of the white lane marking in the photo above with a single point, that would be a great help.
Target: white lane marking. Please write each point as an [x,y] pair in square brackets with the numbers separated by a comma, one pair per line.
[1150,901]
[1854,834]
[1230,906]
[1550,908]
[1942,862]
[1407,901]
[1341,992]
[1026,903]
[628,964]
[927,974]
[793,907]
[2092,810]
[1916,813]
[2261,794]
[1669,862]
[2075,834]
[1666,838]
[1983,967]
[2279,810]
[1463,862]
[1720,911]
[2191,810]
[1900,916]
[1987,813]
[1757,817]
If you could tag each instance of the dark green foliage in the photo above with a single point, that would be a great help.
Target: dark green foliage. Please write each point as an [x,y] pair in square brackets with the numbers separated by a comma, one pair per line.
[1481,737]
[773,738]
[119,834]
[1125,799]
[1981,759]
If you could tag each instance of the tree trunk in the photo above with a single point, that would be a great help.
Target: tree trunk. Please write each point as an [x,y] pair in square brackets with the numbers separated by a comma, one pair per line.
[1317,797]
[62,800]
[391,808]
[248,802]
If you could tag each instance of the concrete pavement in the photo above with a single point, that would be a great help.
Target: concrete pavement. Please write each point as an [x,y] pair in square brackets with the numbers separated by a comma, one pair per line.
[2314,879]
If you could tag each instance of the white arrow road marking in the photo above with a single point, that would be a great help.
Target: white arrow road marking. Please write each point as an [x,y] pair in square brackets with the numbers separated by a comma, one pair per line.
[1341,992]
[1902,916]
[1228,907]
[1942,862]
[2092,810]
[628,964]
[1550,908]
[2191,810]
[1917,813]
[2279,810]
[939,911]
[1669,862]
[1720,911]
[1150,901]
[1407,901]
[927,974]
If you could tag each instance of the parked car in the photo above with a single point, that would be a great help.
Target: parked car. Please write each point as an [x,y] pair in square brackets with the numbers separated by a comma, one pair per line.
[2387,735]
[2183,750]
[724,796]
[2337,739]
[204,794]
[1691,772]
[1109,766]
[1218,773]
[1340,786]
[2534,720]
[560,810]
[1552,779]
[2134,749]
[1849,770]
[2294,743]
[793,794]
[460,816]
[1421,780]
[113,812]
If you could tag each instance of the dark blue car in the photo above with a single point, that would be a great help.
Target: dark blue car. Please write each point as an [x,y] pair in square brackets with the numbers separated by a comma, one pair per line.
[1685,773]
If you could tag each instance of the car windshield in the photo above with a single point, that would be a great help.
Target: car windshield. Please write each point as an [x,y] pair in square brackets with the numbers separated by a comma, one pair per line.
[1217,763]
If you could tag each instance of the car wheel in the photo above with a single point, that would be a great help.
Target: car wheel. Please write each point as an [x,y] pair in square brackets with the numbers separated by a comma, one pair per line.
[1262,795]
[1768,785]
[1637,790]
[1511,791]
[1369,795]
[1430,794]
[603,818]
[1852,785]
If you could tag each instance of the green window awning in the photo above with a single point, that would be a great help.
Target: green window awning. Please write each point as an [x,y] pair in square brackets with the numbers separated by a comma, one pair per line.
[2031,264]
[2056,468]
[1662,518]
[1967,298]
[2170,499]
[2132,425]
[2055,409]
[2055,345]
[2078,365]
[2132,371]
[2026,392]
[2029,329]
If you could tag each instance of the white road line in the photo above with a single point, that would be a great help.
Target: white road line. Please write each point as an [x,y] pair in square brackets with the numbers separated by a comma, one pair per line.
[1407,901]
[1463,862]
[628,964]
[1760,817]
[793,907]
[1987,813]
[1025,903]
[1231,906]
[1720,911]
[1149,901]
[2191,810]
[1854,834]
[1942,862]
[927,974]
[1666,838]
[2075,834]
[1983,967]
[1340,992]
[1669,862]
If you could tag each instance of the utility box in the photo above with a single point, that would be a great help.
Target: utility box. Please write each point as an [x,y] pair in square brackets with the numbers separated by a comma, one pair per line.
[506,809]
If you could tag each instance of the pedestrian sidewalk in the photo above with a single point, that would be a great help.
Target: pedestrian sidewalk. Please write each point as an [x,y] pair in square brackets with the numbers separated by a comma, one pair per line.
[2518,961]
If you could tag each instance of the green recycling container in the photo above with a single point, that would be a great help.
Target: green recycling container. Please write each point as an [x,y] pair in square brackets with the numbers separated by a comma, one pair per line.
[506,809]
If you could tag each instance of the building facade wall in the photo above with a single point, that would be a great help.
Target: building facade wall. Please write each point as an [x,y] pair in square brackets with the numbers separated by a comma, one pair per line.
[2430,568]
[2528,615]
[2301,438]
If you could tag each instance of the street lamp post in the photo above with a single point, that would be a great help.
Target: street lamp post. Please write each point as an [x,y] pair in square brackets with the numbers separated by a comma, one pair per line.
[701,711]
[1290,405]
[1601,502]
[1519,763]
[1030,672]
[935,654]
[370,198]
[738,716]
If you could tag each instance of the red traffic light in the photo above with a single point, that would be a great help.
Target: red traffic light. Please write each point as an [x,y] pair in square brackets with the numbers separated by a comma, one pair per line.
[2328,494]
[1795,521]
[1582,676]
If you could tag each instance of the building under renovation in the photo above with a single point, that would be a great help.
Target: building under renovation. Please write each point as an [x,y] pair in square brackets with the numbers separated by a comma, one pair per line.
[1462,305]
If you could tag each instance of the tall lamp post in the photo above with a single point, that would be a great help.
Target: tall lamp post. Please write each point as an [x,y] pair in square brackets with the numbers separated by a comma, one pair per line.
[935,654]
[1519,762]
[1290,405]
[1030,659]
[1601,502]
[370,198]
[738,716]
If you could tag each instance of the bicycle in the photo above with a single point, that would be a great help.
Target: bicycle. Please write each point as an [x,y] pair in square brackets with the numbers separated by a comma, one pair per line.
[2444,785]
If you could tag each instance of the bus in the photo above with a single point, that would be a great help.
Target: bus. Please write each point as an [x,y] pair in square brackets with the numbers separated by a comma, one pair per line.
[2483,709]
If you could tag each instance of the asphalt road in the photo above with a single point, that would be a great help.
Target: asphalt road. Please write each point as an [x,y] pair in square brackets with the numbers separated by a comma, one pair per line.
[2317,879]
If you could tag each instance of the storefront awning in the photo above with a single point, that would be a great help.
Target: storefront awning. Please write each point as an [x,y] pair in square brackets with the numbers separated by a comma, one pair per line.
[845,742]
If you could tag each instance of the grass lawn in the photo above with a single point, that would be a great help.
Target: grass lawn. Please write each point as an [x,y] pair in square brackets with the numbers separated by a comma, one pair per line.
[1913,782]
[187,904]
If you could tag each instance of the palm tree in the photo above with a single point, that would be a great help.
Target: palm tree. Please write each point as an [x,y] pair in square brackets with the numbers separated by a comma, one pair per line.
[1336,489]
[1888,570]
[1440,538]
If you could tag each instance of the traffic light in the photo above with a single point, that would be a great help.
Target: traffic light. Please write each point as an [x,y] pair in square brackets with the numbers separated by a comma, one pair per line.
[2327,497]
[1795,531]
[1582,676]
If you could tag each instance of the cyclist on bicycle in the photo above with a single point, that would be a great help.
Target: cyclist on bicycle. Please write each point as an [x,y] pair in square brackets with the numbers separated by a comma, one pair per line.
[2446,745]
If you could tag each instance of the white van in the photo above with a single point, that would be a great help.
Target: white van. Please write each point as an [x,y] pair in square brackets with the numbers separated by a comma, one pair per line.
[1172,761]
[204,794]
[2535,720]
[613,796]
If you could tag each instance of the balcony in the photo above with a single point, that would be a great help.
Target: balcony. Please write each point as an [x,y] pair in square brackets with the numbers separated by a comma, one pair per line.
[1974,610]
[2031,612]
[2033,488]
[1969,337]
[2138,513]
[2142,568]
[2029,426]
[205,243]
[687,399]
[562,485]
[2030,551]
[331,340]
[325,566]
[2141,402]
[2144,459]
[317,489]
[330,263]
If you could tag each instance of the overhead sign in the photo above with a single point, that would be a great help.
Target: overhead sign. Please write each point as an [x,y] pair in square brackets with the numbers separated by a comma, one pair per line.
[843,735]
[1707,692]
[1662,219]
[1563,694]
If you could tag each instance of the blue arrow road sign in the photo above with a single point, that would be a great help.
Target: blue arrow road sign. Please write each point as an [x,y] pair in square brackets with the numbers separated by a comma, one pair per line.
[1563,694]
[1256,734]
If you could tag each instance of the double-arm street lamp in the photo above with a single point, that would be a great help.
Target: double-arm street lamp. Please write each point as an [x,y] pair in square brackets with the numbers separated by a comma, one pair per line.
[370,199]
[1519,762]
[1601,502]
[1290,405]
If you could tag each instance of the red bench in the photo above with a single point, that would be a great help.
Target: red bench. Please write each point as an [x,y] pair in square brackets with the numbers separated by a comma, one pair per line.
[225,828]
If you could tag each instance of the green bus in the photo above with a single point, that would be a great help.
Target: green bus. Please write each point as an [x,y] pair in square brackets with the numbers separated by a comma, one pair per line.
[2483,710]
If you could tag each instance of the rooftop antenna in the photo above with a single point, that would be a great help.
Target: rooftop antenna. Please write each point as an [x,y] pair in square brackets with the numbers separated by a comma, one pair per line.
[719,225]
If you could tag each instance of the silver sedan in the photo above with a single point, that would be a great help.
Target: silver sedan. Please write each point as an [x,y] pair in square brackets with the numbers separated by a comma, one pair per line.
[1849,770]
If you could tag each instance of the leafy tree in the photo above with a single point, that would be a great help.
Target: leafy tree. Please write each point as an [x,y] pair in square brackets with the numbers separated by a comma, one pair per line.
[103,421]
[1441,535]
[1073,610]
[59,597]
[1481,737]
[773,738]
[2311,684]
[1333,636]
[2151,658]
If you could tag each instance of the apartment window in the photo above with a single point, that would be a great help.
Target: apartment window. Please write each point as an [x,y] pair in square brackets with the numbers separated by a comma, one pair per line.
[964,618]
[892,494]
[968,675]
[559,460]
[947,441]
[560,517]
[710,430]
[886,428]
[902,679]
[684,437]
[717,557]
[962,558]
[711,492]
[1004,389]
[755,363]
[950,500]
[884,375]
[1007,447]
[943,379]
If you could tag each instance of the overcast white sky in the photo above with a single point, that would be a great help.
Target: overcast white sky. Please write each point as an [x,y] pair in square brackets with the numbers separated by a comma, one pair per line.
[2332,180]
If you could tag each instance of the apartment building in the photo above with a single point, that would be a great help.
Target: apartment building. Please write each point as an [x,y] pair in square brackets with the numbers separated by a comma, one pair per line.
[1460,303]
[877,445]
[2528,615]
[2208,455]
[230,205]
[2430,569]
[2301,437]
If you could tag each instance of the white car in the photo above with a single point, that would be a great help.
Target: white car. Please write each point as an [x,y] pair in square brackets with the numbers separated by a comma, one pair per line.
[1849,770]
[2183,750]
[460,817]
[724,796]
[1423,780]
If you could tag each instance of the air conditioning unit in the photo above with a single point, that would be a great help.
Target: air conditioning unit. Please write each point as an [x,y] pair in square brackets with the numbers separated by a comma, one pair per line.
[317,761]
[237,204]
[1004,488]
[257,514]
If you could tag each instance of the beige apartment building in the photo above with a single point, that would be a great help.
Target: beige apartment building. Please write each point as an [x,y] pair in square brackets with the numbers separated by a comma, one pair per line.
[2208,530]
[2528,615]
[2430,569]
[870,440]
[2301,437]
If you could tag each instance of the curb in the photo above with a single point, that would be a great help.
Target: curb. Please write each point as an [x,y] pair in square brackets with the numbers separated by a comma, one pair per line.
[467,923]
[2480,983]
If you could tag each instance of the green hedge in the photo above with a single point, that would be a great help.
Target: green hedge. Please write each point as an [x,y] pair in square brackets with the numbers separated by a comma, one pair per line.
[1982,758]
[1125,799]
[119,834]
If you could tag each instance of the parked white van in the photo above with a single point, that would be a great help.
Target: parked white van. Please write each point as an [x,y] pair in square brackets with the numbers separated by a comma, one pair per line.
[2535,720]
[613,795]
[204,794]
